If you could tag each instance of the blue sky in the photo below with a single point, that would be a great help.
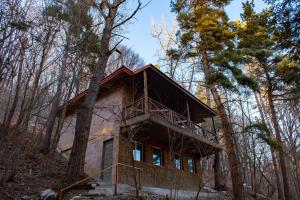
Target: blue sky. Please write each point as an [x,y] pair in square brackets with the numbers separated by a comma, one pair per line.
[139,30]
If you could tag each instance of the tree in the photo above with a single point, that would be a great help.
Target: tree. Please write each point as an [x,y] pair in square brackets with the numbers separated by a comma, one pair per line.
[77,19]
[206,33]
[112,20]
[256,42]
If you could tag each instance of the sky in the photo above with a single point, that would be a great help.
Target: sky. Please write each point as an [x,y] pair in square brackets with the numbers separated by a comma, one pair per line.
[139,29]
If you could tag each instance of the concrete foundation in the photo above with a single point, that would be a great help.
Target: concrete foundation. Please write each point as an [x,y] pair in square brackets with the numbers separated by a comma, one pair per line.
[109,190]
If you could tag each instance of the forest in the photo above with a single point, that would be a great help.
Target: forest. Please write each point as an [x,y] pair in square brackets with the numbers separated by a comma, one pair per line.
[247,70]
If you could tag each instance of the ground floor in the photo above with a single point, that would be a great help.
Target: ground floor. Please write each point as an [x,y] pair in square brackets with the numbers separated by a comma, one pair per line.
[147,158]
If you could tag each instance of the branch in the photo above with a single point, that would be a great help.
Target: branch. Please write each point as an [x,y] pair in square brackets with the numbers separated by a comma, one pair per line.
[139,7]
[115,46]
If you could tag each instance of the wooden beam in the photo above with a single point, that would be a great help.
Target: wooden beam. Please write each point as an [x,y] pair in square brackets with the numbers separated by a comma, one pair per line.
[188,113]
[214,126]
[146,98]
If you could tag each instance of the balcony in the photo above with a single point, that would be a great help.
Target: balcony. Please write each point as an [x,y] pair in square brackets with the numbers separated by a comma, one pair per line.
[155,109]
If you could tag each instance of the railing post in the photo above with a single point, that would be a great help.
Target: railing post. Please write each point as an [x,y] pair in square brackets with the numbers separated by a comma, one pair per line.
[116,184]
[171,116]
[146,99]
[215,130]
[188,114]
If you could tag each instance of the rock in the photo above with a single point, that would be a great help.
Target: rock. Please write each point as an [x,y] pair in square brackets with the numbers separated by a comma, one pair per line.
[25,197]
[48,194]
[210,190]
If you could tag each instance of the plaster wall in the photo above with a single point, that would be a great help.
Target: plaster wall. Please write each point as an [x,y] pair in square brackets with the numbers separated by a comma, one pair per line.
[104,126]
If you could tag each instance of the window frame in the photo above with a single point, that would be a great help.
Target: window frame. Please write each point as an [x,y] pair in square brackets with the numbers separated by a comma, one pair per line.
[161,162]
[194,165]
[135,144]
[180,160]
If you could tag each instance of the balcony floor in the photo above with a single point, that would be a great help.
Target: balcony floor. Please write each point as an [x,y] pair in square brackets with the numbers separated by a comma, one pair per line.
[156,128]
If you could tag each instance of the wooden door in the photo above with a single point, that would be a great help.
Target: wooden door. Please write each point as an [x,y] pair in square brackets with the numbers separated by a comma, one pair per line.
[107,158]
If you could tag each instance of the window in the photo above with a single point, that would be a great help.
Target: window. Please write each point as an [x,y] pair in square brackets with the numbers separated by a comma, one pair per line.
[137,151]
[157,156]
[178,161]
[191,165]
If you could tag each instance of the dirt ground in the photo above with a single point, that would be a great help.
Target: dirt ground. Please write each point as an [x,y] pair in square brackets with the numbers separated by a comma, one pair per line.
[34,172]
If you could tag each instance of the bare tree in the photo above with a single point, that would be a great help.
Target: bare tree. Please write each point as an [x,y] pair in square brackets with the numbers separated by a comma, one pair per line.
[110,13]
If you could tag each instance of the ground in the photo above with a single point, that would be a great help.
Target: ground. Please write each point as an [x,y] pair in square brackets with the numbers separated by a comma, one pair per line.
[35,172]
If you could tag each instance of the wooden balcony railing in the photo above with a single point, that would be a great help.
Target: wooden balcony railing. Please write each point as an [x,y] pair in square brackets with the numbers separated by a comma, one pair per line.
[159,110]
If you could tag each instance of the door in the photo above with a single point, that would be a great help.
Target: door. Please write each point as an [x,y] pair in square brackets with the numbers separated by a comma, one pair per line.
[107,158]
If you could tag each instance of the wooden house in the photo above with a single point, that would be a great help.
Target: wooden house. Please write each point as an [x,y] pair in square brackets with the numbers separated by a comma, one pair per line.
[144,116]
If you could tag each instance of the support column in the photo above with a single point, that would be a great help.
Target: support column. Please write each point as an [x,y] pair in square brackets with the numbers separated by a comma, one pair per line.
[188,113]
[216,165]
[146,99]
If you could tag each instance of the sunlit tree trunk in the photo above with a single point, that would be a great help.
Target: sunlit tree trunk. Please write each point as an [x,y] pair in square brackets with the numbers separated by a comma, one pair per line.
[228,135]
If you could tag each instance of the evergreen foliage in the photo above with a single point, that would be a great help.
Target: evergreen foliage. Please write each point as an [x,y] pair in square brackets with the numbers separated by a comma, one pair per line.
[262,132]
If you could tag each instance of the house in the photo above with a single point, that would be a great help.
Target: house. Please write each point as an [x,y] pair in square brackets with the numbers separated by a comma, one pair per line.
[145,116]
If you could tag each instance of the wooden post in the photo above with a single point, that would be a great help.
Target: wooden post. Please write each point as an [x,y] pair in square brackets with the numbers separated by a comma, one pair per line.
[216,165]
[116,184]
[146,99]
[214,127]
[188,113]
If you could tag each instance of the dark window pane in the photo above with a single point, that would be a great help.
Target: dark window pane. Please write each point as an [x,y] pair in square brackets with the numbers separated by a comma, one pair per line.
[177,161]
[156,157]
[191,165]
[137,151]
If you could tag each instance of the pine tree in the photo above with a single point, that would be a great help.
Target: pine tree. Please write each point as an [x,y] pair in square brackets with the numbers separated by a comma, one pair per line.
[257,43]
[205,32]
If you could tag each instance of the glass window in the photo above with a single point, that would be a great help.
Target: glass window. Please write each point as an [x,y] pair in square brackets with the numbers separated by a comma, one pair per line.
[157,156]
[191,165]
[178,161]
[137,151]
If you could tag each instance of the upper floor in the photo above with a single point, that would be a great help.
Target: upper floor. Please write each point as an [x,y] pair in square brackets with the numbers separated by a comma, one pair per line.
[149,95]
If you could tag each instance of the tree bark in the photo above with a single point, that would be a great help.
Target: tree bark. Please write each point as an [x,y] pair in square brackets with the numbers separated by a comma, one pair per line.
[274,160]
[18,83]
[217,164]
[45,149]
[282,161]
[228,133]
[84,118]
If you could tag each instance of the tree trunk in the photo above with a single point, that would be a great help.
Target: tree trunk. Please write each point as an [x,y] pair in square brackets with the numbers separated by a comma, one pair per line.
[216,165]
[84,118]
[286,188]
[274,160]
[228,133]
[55,104]
[18,84]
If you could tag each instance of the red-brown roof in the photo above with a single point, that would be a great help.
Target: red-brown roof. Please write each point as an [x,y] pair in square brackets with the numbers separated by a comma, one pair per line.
[127,72]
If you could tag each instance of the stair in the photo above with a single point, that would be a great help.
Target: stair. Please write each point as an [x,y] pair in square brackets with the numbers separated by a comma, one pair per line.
[102,189]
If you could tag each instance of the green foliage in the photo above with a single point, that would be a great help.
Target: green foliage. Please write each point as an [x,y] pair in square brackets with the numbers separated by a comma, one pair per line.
[259,38]
[263,133]
[205,27]
[254,38]
[244,80]
[20,25]
[271,142]
[220,79]
[287,27]
[174,54]
[54,11]
[89,42]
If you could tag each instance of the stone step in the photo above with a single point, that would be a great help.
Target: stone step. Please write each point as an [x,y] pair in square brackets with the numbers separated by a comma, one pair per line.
[102,190]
